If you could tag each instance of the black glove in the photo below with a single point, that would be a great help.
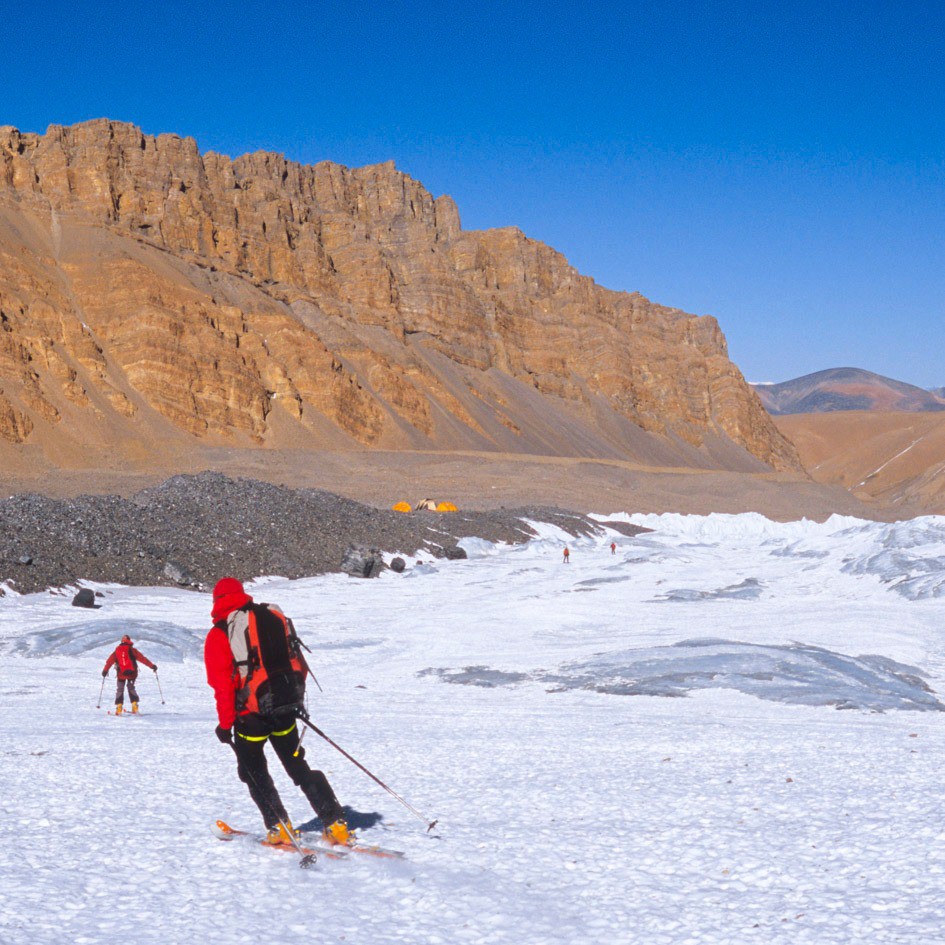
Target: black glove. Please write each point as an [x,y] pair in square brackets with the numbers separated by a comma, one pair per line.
[224,734]
[104,673]
[154,667]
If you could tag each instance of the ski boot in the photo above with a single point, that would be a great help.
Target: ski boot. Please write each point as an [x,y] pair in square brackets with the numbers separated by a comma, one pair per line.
[338,834]
[282,834]
[119,709]
[134,708]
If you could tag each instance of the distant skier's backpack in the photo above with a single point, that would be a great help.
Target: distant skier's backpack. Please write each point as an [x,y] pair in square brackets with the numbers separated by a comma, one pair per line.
[269,659]
[125,658]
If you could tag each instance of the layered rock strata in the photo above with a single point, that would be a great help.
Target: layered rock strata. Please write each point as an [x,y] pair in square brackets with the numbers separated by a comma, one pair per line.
[149,293]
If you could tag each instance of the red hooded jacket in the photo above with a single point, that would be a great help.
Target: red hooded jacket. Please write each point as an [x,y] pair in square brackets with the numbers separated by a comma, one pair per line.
[228,595]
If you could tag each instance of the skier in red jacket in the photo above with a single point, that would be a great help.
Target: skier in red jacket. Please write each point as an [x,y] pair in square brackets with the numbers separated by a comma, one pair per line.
[126,659]
[247,728]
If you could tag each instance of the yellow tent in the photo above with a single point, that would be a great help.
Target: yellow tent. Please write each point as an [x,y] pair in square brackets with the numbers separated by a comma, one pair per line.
[446,507]
[402,507]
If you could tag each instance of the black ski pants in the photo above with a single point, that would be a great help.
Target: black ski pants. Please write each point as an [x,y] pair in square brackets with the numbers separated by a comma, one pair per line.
[120,691]
[250,735]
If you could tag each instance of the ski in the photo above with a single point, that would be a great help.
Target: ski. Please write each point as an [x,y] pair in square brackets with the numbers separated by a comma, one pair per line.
[223,831]
[370,849]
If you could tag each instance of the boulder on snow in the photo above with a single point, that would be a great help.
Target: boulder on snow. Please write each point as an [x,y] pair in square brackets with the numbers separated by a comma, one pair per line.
[362,562]
[85,598]
[456,553]
[179,575]
[397,565]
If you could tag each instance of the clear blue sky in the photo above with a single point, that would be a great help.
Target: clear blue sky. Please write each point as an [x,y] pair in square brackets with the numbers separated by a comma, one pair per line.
[780,166]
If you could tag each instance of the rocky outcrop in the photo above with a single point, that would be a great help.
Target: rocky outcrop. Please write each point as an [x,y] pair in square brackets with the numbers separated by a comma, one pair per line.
[146,288]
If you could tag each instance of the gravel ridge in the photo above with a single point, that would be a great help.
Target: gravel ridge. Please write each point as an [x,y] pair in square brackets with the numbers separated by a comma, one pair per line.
[195,529]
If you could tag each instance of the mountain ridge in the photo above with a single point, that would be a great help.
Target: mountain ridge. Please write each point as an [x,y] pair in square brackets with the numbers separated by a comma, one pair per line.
[841,389]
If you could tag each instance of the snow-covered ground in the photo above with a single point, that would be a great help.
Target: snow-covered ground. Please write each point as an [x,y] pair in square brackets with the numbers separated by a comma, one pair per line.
[728,732]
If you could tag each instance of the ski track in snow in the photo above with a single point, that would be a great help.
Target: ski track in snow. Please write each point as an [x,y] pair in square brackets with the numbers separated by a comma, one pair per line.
[567,815]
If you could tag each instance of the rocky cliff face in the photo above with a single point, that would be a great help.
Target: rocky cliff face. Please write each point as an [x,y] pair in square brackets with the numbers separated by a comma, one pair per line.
[148,291]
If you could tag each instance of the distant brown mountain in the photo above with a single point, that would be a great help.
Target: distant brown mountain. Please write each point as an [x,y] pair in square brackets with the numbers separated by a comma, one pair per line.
[154,300]
[842,389]
[895,459]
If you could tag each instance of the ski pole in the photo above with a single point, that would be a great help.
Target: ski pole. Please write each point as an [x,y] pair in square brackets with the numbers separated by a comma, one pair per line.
[100,694]
[308,668]
[158,678]
[308,859]
[430,824]
[295,754]
[317,683]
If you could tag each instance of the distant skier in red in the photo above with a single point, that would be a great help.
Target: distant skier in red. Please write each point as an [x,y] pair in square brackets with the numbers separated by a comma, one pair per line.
[125,659]
[613,547]
[567,555]
[254,705]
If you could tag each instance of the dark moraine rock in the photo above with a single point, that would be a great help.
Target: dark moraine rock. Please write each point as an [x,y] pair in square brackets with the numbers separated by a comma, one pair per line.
[210,526]
[85,598]
[362,562]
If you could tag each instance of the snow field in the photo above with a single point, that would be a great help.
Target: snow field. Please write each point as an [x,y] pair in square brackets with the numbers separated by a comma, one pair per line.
[567,816]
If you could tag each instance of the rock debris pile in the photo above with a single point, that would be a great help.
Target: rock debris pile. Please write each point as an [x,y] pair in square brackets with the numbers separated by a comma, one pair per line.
[191,530]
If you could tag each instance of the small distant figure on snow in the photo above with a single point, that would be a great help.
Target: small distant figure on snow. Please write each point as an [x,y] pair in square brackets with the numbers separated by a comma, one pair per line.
[567,555]
[125,659]
[613,547]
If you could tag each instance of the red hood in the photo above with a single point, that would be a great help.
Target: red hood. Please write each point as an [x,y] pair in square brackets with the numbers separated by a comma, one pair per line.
[228,595]
[224,606]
